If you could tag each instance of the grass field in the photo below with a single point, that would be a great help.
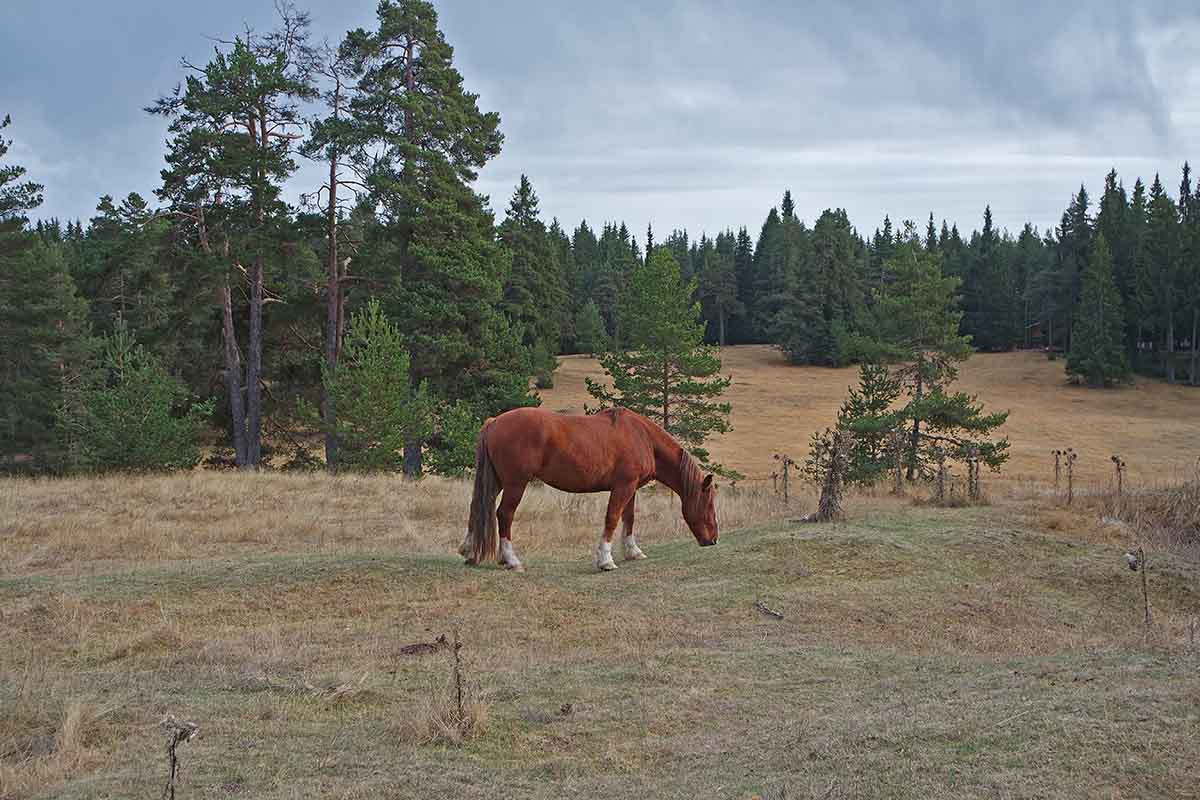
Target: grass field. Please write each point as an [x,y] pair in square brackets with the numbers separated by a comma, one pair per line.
[922,653]
[997,651]
[776,406]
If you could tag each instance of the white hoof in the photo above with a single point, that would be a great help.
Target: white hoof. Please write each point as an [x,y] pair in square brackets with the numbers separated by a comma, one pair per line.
[604,560]
[630,548]
[508,558]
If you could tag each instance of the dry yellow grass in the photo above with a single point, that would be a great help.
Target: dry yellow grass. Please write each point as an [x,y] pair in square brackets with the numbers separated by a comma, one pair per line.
[776,407]
[923,652]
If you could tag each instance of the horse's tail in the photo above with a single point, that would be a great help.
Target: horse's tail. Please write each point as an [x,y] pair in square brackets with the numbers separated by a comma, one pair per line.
[483,539]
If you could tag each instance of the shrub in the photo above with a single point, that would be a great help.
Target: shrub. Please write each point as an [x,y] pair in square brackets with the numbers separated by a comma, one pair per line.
[132,414]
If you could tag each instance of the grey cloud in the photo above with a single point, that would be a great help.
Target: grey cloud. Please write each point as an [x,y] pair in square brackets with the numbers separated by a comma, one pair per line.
[693,114]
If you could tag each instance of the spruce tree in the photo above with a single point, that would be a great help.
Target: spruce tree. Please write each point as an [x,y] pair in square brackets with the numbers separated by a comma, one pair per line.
[1097,352]
[534,295]
[45,340]
[1074,249]
[741,330]
[667,373]
[1160,273]
[989,296]
[718,284]
[45,349]
[590,336]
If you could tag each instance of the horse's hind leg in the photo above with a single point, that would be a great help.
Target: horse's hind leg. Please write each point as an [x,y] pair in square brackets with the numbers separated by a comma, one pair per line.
[628,543]
[504,515]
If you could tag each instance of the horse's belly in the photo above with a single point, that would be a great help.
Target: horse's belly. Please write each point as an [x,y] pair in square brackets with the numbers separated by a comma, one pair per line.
[574,485]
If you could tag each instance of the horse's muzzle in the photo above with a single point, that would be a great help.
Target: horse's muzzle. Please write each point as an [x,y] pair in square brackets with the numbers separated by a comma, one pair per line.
[709,543]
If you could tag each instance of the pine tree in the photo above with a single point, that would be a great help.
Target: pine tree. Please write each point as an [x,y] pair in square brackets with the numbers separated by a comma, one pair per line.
[16,198]
[335,140]
[869,417]
[233,129]
[917,324]
[668,374]
[1097,351]
[427,140]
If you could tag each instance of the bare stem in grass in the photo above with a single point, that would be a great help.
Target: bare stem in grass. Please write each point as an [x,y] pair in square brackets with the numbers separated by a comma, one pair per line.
[177,733]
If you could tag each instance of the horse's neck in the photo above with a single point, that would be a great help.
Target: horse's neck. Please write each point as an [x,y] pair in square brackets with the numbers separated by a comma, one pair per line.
[667,457]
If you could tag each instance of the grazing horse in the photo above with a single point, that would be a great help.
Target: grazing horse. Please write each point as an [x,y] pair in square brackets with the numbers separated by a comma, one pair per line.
[616,451]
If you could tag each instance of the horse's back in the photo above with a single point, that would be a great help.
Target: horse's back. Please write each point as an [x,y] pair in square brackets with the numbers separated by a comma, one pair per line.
[572,452]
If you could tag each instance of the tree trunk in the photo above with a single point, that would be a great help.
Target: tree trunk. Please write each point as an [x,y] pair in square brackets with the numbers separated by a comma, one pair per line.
[914,442]
[1170,355]
[721,319]
[1192,377]
[254,348]
[233,376]
[412,460]
[333,307]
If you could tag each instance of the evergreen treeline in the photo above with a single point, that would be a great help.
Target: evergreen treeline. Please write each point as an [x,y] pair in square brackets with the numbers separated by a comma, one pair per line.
[235,296]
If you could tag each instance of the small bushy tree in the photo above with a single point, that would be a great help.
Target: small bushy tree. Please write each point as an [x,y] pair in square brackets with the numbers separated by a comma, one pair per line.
[452,449]
[378,409]
[668,374]
[133,415]
[869,419]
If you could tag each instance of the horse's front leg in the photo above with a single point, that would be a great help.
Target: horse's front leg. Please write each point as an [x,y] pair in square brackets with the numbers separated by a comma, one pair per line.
[628,543]
[618,498]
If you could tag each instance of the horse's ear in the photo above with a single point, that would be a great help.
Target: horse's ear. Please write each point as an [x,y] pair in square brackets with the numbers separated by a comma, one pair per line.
[707,485]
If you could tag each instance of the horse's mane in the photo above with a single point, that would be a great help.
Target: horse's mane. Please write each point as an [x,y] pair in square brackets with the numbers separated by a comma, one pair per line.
[691,478]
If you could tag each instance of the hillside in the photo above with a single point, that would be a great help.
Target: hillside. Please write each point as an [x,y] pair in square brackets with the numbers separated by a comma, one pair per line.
[776,407]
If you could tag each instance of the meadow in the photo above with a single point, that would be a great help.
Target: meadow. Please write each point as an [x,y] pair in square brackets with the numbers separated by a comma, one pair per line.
[907,651]
[776,407]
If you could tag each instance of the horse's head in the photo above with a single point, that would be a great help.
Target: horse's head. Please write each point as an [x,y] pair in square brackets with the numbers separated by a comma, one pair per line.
[700,512]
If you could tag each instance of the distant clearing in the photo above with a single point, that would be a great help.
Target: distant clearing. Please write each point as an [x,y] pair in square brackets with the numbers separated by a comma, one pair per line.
[776,406]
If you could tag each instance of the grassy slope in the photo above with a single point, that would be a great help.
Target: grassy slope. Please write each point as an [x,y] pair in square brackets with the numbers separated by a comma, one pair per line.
[923,653]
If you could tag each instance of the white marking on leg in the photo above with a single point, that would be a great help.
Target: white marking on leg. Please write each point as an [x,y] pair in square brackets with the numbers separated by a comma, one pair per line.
[630,546]
[604,559]
[508,558]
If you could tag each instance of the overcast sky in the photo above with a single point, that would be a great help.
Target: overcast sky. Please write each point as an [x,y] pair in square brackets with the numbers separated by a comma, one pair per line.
[685,114]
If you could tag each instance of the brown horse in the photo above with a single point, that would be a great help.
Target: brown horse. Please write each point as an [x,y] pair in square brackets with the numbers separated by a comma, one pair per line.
[616,451]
